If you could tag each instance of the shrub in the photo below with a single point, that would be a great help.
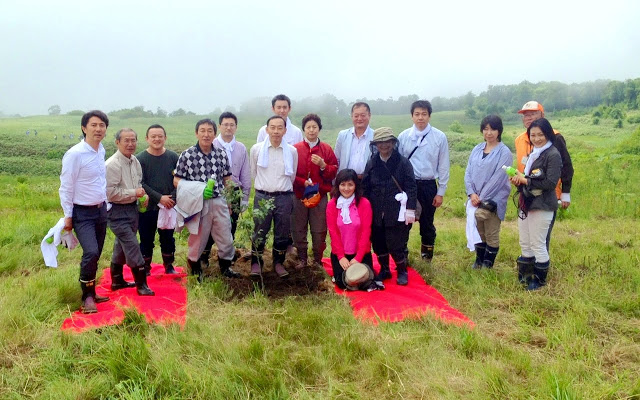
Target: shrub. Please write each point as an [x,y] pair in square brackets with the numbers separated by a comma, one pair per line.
[456,127]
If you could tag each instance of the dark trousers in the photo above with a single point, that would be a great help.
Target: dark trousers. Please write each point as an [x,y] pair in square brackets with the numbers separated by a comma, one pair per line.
[148,225]
[390,240]
[123,222]
[280,215]
[553,220]
[427,190]
[338,271]
[90,225]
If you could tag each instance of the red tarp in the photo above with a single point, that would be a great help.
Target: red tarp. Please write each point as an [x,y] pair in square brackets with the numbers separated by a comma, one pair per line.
[168,306]
[396,303]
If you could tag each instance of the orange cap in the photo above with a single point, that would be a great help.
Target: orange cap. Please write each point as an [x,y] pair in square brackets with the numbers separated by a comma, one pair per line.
[531,106]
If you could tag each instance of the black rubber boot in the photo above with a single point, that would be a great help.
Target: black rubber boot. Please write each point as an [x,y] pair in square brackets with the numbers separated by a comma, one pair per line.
[303,257]
[196,269]
[525,269]
[88,300]
[480,253]
[490,256]
[385,272]
[225,269]
[403,276]
[539,278]
[147,266]
[117,279]
[141,282]
[167,261]
[204,259]
[426,252]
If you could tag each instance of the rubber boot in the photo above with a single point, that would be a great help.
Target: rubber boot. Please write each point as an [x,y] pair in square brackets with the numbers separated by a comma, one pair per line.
[385,272]
[88,301]
[539,278]
[480,253]
[167,261]
[426,252]
[278,261]
[225,269]
[525,269]
[302,259]
[147,266]
[490,256]
[204,259]
[141,282]
[117,279]
[196,269]
[403,276]
[317,258]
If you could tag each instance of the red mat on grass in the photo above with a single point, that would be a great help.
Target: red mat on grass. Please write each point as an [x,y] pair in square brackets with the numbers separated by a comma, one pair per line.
[396,303]
[168,306]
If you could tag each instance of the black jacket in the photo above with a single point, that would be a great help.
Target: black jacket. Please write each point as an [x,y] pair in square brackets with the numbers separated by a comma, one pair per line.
[566,175]
[381,190]
[539,193]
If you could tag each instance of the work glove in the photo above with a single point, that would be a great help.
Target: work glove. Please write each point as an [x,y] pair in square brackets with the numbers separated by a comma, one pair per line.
[410,217]
[207,193]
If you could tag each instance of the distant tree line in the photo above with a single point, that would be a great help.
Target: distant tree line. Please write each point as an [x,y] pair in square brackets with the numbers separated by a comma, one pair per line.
[497,99]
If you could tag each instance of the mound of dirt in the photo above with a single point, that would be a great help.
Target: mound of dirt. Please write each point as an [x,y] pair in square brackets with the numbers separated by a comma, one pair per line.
[310,280]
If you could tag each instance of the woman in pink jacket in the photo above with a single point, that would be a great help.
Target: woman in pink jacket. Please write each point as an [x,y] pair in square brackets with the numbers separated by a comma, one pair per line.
[349,219]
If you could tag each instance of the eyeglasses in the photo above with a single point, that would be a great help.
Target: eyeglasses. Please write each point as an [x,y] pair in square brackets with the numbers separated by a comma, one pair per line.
[228,125]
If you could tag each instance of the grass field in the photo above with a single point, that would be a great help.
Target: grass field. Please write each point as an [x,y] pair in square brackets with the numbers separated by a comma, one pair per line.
[577,338]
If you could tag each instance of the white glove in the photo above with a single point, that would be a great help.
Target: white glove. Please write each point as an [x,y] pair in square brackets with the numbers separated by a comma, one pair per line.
[410,217]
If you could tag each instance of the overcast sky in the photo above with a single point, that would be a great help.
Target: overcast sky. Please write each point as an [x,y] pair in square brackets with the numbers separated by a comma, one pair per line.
[200,55]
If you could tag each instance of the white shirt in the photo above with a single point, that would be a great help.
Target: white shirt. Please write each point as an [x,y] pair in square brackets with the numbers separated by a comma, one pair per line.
[431,158]
[292,136]
[273,178]
[359,153]
[83,178]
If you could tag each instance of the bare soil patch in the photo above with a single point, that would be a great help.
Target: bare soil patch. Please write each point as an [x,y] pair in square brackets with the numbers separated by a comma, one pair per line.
[310,280]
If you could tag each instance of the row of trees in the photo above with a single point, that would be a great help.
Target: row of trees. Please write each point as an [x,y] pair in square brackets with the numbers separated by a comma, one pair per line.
[498,99]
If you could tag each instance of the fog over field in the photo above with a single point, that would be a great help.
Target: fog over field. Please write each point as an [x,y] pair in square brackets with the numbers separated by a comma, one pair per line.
[200,55]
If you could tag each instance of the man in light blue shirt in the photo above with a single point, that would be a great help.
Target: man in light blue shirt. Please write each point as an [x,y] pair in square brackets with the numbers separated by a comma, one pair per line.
[352,146]
[428,150]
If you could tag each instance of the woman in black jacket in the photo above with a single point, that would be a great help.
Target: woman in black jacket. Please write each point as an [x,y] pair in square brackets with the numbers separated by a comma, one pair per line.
[389,184]
[537,203]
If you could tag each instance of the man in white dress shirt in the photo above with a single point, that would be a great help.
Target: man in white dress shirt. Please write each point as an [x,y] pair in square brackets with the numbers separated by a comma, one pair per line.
[428,151]
[281,106]
[352,146]
[83,196]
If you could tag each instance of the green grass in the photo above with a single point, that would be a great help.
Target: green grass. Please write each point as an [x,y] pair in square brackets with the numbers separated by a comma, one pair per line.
[577,338]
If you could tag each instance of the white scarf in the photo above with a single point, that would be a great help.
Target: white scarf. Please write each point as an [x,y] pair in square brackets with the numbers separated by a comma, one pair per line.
[343,205]
[228,147]
[263,156]
[418,136]
[534,156]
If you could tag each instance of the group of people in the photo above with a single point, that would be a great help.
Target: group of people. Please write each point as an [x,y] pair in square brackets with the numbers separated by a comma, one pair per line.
[379,184]
[543,180]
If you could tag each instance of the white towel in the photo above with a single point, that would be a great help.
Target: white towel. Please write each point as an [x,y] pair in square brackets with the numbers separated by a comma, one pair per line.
[343,204]
[263,156]
[473,236]
[402,198]
[50,250]
[167,217]
[228,147]
[418,136]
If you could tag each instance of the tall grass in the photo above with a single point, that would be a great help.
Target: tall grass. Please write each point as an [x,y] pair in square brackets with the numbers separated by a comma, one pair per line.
[577,338]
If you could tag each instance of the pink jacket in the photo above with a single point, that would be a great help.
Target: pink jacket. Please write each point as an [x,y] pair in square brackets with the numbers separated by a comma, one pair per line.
[363,234]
